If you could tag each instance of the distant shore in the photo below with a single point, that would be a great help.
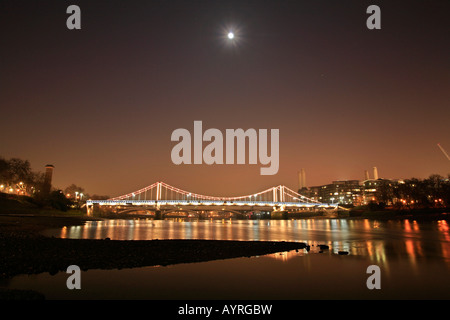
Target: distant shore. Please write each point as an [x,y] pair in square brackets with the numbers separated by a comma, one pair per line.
[393,214]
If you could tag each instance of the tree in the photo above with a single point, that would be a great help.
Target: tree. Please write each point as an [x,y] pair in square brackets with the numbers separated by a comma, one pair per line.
[20,171]
[16,174]
[73,190]
[38,181]
[58,201]
[385,191]
[4,170]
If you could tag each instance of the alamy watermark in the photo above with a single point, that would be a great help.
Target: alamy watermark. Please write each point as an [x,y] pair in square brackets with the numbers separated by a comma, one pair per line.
[235,142]
[73,281]
[73,22]
[374,20]
[374,280]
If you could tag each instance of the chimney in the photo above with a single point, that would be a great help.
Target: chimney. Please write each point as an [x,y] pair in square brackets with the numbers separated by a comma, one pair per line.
[366,175]
[375,173]
[301,179]
[48,178]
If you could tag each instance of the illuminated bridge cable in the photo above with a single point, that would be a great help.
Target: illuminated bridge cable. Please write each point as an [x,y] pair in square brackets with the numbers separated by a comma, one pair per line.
[162,191]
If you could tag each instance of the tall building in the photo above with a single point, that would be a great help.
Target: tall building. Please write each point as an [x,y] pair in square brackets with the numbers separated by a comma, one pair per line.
[301,180]
[375,173]
[48,178]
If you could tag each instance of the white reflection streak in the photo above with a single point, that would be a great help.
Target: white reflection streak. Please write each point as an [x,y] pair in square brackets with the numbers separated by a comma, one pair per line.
[131,230]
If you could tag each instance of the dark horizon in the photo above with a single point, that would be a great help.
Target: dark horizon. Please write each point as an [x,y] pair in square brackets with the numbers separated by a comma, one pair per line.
[100,103]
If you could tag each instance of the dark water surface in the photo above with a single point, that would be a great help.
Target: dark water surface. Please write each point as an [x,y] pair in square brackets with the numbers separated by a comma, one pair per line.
[413,257]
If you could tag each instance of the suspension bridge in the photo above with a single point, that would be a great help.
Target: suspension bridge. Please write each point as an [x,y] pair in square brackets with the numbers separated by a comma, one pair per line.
[162,198]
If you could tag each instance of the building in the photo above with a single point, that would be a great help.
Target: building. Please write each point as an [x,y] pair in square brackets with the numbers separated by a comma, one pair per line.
[353,192]
[381,191]
[345,192]
[48,178]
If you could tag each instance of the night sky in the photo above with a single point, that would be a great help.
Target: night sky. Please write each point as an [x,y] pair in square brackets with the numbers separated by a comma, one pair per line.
[100,103]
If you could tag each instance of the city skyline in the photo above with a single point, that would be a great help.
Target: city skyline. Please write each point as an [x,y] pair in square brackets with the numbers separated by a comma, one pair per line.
[100,103]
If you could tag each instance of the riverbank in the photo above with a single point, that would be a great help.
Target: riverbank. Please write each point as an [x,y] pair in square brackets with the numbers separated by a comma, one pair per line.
[392,214]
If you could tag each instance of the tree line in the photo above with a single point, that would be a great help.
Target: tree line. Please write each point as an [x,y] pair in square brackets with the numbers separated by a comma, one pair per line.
[431,192]
[17,177]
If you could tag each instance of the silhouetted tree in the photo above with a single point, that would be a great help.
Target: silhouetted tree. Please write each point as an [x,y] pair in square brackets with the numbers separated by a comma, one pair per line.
[4,170]
[58,201]
[385,191]
[72,189]
[430,192]
[15,172]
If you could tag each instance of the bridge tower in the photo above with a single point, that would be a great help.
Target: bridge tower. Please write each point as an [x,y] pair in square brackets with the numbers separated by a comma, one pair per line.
[158,214]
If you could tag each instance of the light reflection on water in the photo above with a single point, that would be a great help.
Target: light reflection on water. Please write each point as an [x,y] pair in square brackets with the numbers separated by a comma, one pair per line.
[414,259]
[378,240]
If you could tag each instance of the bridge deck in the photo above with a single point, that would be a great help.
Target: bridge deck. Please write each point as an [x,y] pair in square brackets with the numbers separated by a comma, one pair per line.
[208,203]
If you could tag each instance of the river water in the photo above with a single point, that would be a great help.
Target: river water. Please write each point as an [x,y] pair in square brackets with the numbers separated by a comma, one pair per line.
[413,258]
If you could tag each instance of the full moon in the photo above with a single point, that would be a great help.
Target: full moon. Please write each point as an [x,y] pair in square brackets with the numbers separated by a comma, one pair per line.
[230,35]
